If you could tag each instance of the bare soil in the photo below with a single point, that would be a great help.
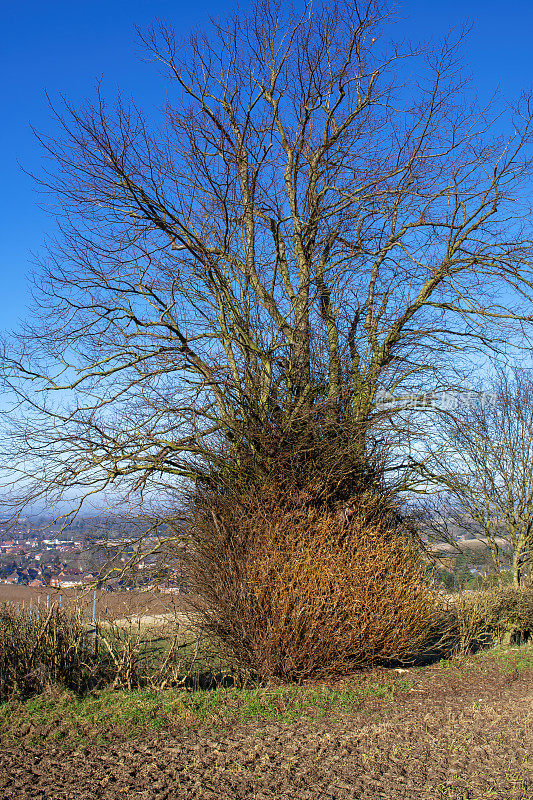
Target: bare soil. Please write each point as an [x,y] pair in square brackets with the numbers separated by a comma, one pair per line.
[456,733]
[109,605]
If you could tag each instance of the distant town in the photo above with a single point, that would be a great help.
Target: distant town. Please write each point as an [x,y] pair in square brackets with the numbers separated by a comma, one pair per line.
[40,554]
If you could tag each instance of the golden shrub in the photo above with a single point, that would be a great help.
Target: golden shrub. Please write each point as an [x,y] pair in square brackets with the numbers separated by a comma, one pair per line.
[293,594]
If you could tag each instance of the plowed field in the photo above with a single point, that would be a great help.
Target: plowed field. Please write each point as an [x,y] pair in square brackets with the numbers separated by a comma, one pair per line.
[454,734]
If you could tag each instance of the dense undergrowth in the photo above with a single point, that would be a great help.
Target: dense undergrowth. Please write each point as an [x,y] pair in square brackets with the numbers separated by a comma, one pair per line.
[55,649]
[43,648]
[62,715]
[40,649]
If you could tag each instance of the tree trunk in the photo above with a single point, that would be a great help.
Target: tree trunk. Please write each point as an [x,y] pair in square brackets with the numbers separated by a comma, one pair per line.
[518,563]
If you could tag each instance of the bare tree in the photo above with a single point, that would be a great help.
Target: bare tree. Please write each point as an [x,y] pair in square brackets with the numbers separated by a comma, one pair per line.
[486,467]
[320,215]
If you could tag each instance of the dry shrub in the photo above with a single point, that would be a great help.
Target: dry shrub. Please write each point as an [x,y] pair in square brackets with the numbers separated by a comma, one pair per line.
[40,649]
[293,594]
[141,654]
[55,647]
[503,615]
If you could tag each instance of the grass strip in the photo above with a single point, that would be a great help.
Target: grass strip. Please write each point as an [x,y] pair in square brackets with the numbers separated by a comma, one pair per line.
[63,715]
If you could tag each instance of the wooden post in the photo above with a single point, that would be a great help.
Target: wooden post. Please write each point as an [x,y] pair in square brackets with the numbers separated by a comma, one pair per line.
[94,623]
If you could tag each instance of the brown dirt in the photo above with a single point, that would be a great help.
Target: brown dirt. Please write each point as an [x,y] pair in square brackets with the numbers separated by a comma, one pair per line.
[108,604]
[455,735]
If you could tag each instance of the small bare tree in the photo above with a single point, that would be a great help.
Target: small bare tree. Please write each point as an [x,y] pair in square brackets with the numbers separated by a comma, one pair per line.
[486,468]
[321,215]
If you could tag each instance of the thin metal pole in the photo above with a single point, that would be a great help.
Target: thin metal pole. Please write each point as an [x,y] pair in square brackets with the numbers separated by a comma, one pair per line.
[94,623]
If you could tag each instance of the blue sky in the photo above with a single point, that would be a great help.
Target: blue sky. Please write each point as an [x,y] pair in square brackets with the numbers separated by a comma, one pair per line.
[68,45]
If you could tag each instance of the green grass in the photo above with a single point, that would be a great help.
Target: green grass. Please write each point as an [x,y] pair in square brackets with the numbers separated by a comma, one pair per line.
[63,715]
[105,713]
[508,659]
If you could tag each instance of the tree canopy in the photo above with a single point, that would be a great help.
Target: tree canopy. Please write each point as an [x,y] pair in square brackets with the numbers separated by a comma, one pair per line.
[319,215]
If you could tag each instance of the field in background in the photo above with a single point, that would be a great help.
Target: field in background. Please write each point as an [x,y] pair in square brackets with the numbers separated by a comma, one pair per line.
[110,605]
